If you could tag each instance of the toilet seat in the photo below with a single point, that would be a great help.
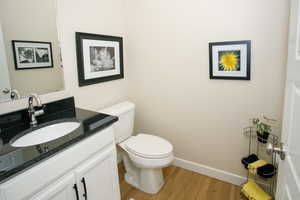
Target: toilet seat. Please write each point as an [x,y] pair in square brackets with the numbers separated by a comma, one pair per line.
[149,146]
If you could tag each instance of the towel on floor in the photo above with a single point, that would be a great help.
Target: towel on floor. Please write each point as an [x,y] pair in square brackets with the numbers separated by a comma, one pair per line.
[252,191]
[253,166]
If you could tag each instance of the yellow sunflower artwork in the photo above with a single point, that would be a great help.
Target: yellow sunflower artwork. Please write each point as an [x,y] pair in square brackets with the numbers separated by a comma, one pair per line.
[229,60]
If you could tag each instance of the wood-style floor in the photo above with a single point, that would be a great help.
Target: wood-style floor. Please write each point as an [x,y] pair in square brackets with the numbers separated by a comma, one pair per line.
[181,184]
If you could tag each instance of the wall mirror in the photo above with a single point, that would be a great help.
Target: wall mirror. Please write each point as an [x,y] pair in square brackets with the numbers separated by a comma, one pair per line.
[30,60]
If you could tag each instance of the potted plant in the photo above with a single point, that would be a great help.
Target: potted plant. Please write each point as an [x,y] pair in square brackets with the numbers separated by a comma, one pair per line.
[263,129]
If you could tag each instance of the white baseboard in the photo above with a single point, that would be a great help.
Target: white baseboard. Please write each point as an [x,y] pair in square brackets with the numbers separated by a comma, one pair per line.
[209,171]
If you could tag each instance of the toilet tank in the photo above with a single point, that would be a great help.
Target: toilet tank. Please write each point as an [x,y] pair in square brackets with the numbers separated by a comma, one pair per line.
[123,128]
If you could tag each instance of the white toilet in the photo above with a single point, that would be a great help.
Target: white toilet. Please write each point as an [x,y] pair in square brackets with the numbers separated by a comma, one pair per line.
[145,155]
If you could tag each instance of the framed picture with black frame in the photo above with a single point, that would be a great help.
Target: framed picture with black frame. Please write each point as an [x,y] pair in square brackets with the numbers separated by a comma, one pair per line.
[230,60]
[32,54]
[99,58]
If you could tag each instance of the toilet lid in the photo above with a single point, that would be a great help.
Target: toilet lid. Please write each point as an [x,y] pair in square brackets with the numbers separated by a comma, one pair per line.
[149,146]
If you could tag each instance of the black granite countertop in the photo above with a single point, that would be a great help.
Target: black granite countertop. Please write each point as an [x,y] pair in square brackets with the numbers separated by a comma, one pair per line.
[14,160]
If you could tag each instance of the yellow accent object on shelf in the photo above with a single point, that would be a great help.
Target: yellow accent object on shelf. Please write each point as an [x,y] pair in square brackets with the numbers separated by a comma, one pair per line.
[253,166]
[252,191]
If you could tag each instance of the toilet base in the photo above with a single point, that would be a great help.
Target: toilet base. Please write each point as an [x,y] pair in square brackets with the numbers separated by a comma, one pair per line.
[149,180]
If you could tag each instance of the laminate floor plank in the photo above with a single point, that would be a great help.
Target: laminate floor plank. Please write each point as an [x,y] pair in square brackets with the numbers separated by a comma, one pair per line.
[182,184]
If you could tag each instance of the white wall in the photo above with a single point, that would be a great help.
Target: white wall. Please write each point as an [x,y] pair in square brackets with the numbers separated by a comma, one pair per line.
[169,71]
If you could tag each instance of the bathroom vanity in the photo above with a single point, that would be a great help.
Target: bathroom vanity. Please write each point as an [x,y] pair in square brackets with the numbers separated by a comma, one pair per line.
[79,166]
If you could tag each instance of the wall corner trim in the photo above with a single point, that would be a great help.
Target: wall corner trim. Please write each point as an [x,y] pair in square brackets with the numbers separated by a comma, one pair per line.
[209,171]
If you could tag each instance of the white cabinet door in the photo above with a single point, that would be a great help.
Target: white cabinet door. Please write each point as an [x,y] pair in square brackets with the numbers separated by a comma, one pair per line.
[97,177]
[63,189]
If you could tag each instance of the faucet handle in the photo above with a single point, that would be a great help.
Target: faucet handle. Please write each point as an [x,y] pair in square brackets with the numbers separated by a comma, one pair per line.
[39,112]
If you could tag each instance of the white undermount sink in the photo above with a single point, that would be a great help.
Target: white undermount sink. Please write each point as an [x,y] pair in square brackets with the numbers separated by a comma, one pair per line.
[46,134]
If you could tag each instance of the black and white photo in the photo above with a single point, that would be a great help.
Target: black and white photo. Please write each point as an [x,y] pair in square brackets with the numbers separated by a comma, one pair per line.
[32,54]
[26,54]
[102,58]
[99,58]
[42,55]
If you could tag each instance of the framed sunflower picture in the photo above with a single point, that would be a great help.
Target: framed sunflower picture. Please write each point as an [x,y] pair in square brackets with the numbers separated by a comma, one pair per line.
[230,60]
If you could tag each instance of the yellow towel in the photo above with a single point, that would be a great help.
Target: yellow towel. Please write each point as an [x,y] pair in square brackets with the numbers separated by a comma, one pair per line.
[252,191]
[253,166]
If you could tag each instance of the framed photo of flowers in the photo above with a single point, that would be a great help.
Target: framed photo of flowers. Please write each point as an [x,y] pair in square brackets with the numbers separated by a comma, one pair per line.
[230,60]
[99,58]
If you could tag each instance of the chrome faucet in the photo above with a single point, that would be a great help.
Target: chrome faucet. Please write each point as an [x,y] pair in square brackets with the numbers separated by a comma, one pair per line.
[32,112]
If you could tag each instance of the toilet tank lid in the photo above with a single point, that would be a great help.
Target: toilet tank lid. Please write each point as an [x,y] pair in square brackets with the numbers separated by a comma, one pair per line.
[118,109]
